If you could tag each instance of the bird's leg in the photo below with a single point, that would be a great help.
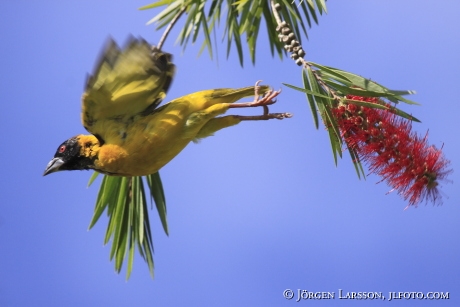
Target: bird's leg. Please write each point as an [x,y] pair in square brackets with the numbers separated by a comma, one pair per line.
[263,102]
[222,122]
[264,116]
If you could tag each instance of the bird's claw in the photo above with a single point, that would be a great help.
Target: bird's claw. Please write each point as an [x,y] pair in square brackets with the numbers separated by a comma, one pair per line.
[266,100]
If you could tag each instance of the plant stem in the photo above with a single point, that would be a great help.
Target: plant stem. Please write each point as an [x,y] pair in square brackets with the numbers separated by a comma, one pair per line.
[169,28]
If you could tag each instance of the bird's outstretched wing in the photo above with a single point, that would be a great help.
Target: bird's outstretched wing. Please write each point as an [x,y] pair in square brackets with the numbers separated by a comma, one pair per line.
[125,83]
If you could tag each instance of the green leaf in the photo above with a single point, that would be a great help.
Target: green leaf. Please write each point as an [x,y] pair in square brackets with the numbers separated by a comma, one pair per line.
[118,227]
[131,249]
[321,6]
[93,177]
[405,115]
[157,193]
[207,36]
[405,100]
[129,224]
[306,14]
[156,4]
[306,91]
[364,87]
[334,133]
[107,195]
[170,11]
[200,20]
[132,235]
[144,242]
[345,90]
[310,98]
[383,107]
[311,8]
[356,162]
[242,17]
[324,103]
[272,35]
[334,73]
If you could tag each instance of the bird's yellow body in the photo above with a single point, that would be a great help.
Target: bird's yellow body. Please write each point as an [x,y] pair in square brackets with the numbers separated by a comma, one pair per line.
[146,144]
[130,134]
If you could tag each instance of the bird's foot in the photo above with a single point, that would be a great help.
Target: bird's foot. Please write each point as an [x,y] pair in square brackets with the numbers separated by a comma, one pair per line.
[264,101]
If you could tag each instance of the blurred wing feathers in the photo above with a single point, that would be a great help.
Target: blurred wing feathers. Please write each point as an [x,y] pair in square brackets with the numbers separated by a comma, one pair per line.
[125,83]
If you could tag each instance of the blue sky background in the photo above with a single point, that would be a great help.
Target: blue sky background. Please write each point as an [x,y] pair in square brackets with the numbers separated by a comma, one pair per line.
[256,209]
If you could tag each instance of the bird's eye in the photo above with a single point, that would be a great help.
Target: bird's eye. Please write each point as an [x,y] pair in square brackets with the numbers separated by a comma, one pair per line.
[62,149]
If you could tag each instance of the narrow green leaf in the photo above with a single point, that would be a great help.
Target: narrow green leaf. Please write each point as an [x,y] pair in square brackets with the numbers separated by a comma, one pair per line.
[310,98]
[317,90]
[244,18]
[324,103]
[321,5]
[366,87]
[239,47]
[129,267]
[310,3]
[171,10]
[356,163]
[157,193]
[311,8]
[299,19]
[384,107]
[402,92]
[120,252]
[405,115]
[117,218]
[214,5]
[332,136]
[156,4]
[189,25]
[335,137]
[327,77]
[93,177]
[107,195]
[405,100]
[146,249]
[165,20]
[207,37]
[132,236]
[345,90]
[333,72]
[306,91]
[306,13]
[111,194]
[200,16]
[140,211]
[272,34]
[291,17]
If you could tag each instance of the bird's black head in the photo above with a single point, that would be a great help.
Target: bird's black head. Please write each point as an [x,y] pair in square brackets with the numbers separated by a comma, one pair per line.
[74,154]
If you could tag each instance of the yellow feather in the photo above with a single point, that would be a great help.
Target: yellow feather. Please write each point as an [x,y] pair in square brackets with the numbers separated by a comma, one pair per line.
[131,136]
[154,140]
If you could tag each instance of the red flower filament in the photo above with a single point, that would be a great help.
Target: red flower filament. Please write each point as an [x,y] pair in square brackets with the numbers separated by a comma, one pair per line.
[386,143]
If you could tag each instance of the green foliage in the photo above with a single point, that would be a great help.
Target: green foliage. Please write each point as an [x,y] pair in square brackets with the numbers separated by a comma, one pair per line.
[325,87]
[124,200]
[241,17]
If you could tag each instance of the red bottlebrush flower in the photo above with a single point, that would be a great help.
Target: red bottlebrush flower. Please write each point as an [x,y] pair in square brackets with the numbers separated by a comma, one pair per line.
[386,143]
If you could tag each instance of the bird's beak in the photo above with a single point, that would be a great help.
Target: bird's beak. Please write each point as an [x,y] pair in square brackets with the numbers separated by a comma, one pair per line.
[53,166]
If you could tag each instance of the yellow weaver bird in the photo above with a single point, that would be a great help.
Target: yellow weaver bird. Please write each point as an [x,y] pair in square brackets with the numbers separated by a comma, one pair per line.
[130,134]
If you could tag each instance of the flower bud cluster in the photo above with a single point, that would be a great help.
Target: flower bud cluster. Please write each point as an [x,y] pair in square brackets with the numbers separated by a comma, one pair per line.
[290,41]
